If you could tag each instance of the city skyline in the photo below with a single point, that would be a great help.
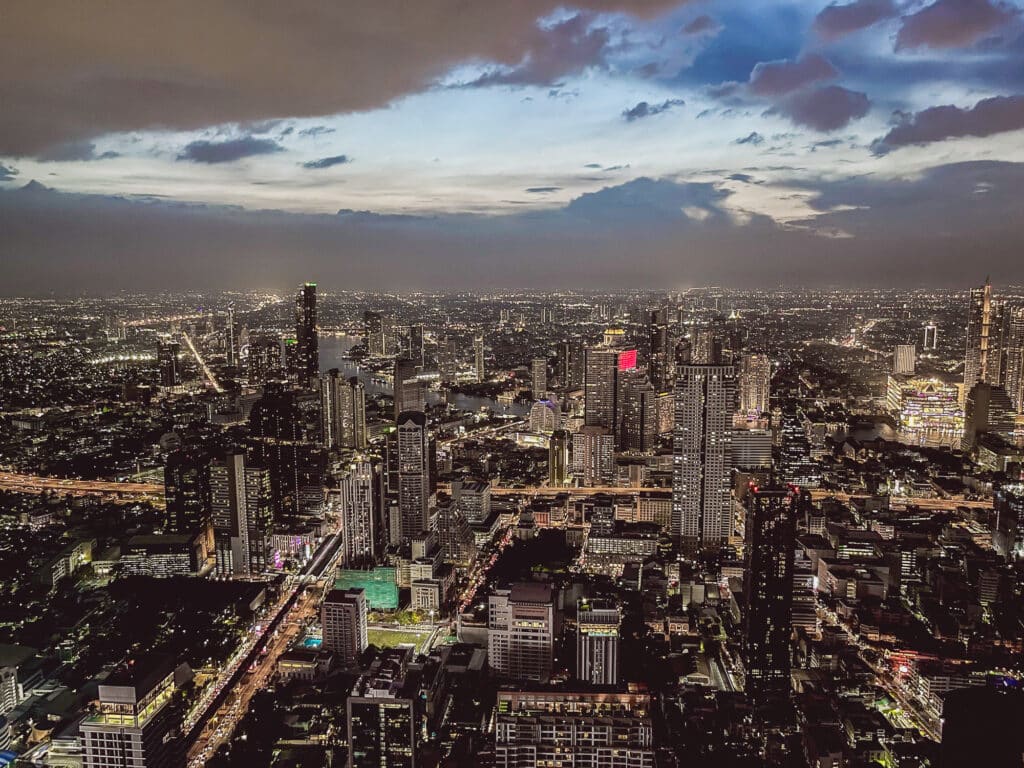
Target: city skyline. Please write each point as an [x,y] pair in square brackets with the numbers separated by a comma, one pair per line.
[868,142]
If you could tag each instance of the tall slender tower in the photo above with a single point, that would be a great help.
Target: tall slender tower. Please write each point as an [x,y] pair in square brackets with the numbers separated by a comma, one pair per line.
[413,473]
[242,516]
[307,357]
[985,331]
[701,454]
[755,384]
[478,358]
[358,514]
[1015,358]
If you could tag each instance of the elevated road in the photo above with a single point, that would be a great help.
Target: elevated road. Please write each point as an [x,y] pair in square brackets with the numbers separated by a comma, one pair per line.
[12,481]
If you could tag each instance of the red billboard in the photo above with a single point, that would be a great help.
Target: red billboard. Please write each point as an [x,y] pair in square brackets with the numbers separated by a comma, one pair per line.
[627,360]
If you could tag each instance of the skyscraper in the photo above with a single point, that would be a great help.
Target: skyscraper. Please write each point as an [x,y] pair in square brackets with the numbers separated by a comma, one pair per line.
[558,457]
[167,361]
[414,462]
[230,348]
[242,516]
[985,331]
[307,353]
[473,498]
[638,413]
[409,394]
[593,456]
[416,344]
[599,386]
[662,349]
[701,454]
[264,361]
[755,385]
[359,514]
[570,364]
[597,641]
[380,333]
[988,410]
[383,713]
[539,376]
[343,618]
[772,513]
[521,632]
[931,337]
[1015,357]
[343,411]
[904,359]
[478,358]
[187,490]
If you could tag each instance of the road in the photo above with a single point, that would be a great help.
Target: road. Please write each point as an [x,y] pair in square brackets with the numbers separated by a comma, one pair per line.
[202,364]
[12,481]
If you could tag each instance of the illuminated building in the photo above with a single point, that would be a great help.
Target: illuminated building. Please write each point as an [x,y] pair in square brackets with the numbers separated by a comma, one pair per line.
[597,641]
[755,385]
[447,360]
[705,398]
[415,350]
[478,358]
[380,333]
[562,728]
[795,462]
[603,367]
[931,337]
[343,619]
[343,411]
[593,456]
[1014,378]
[414,484]
[637,413]
[454,535]
[570,364]
[904,359]
[768,586]
[661,367]
[521,632]
[307,347]
[358,491]
[544,417]
[242,516]
[187,490]
[473,498]
[383,714]
[558,458]
[264,359]
[410,394]
[539,376]
[167,361]
[985,337]
[927,410]
[132,726]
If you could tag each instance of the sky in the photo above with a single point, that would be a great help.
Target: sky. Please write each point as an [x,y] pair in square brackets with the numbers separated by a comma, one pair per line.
[529,144]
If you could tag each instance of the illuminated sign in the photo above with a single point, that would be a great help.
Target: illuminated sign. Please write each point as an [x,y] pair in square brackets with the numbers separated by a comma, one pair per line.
[627,360]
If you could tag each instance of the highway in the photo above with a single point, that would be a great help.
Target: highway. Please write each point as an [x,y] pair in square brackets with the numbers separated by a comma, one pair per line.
[12,481]
[202,364]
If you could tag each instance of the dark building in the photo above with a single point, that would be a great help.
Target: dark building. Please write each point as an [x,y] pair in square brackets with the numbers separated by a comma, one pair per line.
[409,394]
[988,410]
[187,490]
[167,362]
[662,349]
[558,457]
[415,348]
[768,586]
[307,348]
[383,713]
[570,364]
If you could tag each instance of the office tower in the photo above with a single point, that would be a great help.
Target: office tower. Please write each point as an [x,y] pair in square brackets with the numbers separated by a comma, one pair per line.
[413,473]
[705,398]
[343,411]
[242,516]
[1015,357]
[383,714]
[706,347]
[558,458]
[768,586]
[751,448]
[343,619]
[539,376]
[558,728]
[264,360]
[380,333]
[230,350]
[473,499]
[521,632]
[167,361]
[755,385]
[597,641]
[599,386]
[988,410]
[133,725]
[661,365]
[359,515]
[795,462]
[982,726]
[187,490]
[409,394]
[571,364]
[478,358]
[931,337]
[593,456]
[307,347]
[447,360]
[416,344]
[985,338]
[546,316]
[504,315]
[545,417]
[904,359]
[454,535]
[278,442]
[638,413]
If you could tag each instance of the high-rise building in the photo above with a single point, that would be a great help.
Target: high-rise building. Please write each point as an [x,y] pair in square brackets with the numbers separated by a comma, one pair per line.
[242,516]
[409,393]
[637,413]
[383,714]
[985,337]
[187,490]
[1014,377]
[558,458]
[454,535]
[570,364]
[307,345]
[769,554]
[931,337]
[600,386]
[416,344]
[661,366]
[167,361]
[343,411]
[755,385]
[447,360]
[473,499]
[904,359]
[927,410]
[414,464]
[597,641]
[795,462]
[561,728]
[478,358]
[988,410]
[343,619]
[521,630]
[264,360]
[705,398]
[230,347]
[539,376]
[134,722]
[359,514]
[380,333]
[593,456]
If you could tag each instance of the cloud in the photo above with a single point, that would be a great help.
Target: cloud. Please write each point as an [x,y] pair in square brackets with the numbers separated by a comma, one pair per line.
[825,109]
[327,162]
[989,116]
[953,23]
[775,78]
[75,151]
[543,190]
[700,25]
[229,151]
[7,173]
[127,66]
[316,130]
[837,21]
[644,109]
[754,138]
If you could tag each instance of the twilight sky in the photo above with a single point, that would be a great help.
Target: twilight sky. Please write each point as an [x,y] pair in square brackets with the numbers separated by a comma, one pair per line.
[517,143]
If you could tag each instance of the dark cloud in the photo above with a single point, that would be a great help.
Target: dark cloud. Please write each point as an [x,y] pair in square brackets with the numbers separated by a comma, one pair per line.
[328,162]
[7,173]
[75,151]
[316,130]
[644,109]
[953,23]
[700,25]
[125,65]
[753,137]
[836,21]
[989,116]
[228,151]
[825,109]
[542,190]
[776,78]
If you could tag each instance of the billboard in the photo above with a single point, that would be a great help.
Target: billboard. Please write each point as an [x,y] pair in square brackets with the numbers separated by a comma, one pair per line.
[627,360]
